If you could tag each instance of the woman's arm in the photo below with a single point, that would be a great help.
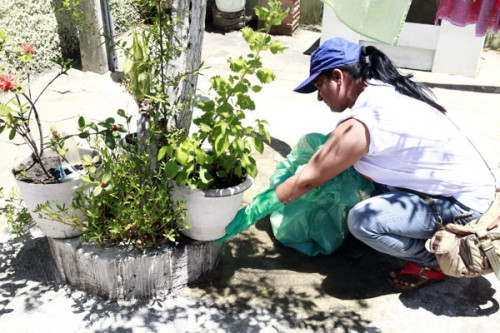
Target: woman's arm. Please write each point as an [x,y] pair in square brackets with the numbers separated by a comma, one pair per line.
[348,143]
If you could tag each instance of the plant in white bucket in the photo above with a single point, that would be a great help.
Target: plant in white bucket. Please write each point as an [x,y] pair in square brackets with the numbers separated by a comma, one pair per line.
[50,173]
[215,161]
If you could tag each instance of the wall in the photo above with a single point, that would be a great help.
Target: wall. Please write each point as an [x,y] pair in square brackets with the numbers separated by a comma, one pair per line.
[445,48]
[311,12]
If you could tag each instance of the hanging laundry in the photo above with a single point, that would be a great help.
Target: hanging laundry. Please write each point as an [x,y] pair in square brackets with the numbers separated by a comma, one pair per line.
[381,20]
[485,14]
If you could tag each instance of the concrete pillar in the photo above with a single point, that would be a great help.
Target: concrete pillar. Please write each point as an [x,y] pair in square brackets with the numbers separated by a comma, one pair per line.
[93,46]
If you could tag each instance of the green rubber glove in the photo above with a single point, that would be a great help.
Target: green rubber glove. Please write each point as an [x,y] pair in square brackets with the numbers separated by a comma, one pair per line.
[261,205]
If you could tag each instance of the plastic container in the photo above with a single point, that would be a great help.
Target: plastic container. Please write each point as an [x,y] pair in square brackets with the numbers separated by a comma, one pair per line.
[230,6]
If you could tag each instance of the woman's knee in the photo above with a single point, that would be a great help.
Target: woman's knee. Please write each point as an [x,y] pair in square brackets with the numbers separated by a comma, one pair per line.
[357,221]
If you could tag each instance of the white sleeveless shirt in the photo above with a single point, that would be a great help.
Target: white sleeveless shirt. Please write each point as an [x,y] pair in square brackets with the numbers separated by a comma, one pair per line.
[415,146]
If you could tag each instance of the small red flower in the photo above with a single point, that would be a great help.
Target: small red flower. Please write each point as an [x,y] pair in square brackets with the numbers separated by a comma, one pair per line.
[115,128]
[55,135]
[27,48]
[8,82]
[103,185]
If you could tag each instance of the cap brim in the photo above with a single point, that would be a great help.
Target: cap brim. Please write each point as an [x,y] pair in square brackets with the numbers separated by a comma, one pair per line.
[307,86]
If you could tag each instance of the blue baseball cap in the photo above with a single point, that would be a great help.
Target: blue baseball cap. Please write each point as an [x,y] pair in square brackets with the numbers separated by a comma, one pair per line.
[331,54]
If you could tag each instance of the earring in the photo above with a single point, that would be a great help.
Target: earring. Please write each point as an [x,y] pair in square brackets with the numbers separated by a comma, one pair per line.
[339,83]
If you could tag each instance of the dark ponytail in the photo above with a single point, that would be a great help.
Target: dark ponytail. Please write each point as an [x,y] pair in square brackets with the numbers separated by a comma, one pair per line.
[375,64]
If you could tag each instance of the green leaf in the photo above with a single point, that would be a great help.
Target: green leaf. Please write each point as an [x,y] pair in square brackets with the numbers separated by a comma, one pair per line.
[86,178]
[84,135]
[238,171]
[276,47]
[221,174]
[206,105]
[265,75]
[4,109]
[205,177]
[248,33]
[109,139]
[237,65]
[245,102]
[97,190]
[205,128]
[249,164]
[201,157]
[106,177]
[221,143]
[162,152]
[81,122]
[121,113]
[241,88]
[12,134]
[171,169]
[256,88]
[181,156]
[181,178]
[239,145]
[219,84]
[258,144]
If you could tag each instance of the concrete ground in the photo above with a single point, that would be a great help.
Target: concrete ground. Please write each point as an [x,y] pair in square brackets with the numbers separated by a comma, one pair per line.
[259,285]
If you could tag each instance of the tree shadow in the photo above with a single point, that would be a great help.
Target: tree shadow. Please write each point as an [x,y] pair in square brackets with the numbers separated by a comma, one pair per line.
[352,272]
[22,263]
[241,292]
[455,297]
[464,87]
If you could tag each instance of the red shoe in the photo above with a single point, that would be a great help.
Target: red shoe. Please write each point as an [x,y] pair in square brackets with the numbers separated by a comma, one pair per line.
[412,276]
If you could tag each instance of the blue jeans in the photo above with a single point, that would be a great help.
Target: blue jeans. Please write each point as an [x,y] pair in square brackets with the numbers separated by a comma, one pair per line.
[398,223]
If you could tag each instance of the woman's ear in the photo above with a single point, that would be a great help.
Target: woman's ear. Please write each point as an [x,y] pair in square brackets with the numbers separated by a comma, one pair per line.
[337,75]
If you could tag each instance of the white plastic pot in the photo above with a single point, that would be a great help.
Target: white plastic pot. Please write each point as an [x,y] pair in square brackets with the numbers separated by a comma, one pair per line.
[209,212]
[60,193]
[230,6]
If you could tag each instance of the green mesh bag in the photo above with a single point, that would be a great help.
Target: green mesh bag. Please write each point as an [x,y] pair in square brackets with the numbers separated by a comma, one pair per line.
[316,223]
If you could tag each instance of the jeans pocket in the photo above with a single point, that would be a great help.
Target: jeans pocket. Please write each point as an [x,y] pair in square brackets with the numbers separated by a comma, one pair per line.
[463,214]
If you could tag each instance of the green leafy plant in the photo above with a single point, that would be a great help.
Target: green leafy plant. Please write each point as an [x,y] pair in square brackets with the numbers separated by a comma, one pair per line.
[126,197]
[16,214]
[219,153]
[125,200]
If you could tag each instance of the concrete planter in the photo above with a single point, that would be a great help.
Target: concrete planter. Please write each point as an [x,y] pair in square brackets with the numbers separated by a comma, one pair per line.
[210,211]
[61,193]
[120,272]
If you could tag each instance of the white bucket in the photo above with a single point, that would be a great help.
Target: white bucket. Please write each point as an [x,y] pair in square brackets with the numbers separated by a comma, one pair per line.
[209,212]
[230,6]
[61,193]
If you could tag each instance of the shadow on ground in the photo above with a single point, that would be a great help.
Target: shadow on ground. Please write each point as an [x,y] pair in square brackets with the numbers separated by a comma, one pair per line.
[242,293]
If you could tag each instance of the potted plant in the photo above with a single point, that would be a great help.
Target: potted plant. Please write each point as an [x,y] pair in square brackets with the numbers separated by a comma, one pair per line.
[51,172]
[213,165]
[127,199]
[131,246]
[160,161]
